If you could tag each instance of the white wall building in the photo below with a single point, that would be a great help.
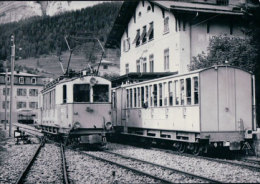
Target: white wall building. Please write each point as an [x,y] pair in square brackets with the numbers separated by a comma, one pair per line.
[163,36]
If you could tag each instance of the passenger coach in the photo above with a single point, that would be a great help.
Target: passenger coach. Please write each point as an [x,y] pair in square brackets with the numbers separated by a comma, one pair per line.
[213,106]
[78,108]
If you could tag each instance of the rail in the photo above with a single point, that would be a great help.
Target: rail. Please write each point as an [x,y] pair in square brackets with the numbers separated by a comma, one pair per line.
[28,166]
[64,167]
[168,168]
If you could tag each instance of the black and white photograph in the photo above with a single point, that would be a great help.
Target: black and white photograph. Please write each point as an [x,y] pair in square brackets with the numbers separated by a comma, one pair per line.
[129,92]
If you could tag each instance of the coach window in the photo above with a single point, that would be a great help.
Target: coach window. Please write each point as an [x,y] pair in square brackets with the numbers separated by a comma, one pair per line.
[165,94]
[182,91]
[81,93]
[196,91]
[188,91]
[131,98]
[176,92]
[151,96]
[142,96]
[139,97]
[155,95]
[100,93]
[127,98]
[170,93]
[135,97]
[160,95]
[64,94]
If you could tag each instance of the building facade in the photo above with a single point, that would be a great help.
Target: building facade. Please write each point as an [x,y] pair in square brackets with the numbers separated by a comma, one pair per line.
[25,95]
[106,67]
[163,36]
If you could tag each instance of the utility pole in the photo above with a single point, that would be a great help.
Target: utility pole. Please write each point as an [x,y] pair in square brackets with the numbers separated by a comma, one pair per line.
[6,75]
[12,83]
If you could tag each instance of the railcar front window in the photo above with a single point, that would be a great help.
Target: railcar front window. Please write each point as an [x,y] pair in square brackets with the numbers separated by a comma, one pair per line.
[127,97]
[196,91]
[131,98]
[100,93]
[176,92]
[135,97]
[81,93]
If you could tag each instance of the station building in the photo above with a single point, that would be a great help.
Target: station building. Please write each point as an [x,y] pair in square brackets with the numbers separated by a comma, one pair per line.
[25,94]
[163,36]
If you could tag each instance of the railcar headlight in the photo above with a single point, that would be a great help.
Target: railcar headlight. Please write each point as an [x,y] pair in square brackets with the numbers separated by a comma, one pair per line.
[108,125]
[76,125]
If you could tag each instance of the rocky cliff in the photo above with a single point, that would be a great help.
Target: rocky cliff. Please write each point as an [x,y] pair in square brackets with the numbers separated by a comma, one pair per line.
[11,11]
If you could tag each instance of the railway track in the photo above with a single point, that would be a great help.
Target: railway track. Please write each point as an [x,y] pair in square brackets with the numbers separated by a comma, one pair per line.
[240,163]
[162,174]
[30,163]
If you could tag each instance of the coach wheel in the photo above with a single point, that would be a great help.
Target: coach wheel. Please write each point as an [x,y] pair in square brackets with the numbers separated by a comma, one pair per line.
[181,148]
[196,150]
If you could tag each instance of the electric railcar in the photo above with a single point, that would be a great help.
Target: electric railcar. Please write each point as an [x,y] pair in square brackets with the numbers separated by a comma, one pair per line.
[193,111]
[77,108]
[25,116]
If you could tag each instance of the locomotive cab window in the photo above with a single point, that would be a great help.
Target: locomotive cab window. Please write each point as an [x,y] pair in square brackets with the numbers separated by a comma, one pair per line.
[100,93]
[196,91]
[81,93]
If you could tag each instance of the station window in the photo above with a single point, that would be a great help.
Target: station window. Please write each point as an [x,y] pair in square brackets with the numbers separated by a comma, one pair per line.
[188,91]
[151,62]
[170,93]
[8,79]
[166,59]
[166,25]
[127,68]
[135,97]
[21,92]
[33,92]
[81,93]
[100,93]
[33,105]
[138,66]
[155,95]
[196,91]
[7,104]
[8,91]
[21,80]
[150,32]
[137,38]
[160,95]
[21,105]
[176,92]
[64,94]
[182,91]
[144,35]
[33,80]
[144,65]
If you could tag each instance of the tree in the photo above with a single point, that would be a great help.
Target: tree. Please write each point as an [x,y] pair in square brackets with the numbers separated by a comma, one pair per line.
[236,51]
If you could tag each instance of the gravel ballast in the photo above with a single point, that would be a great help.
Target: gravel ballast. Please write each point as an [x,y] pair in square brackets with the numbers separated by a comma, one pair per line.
[83,169]
[47,168]
[14,159]
[198,166]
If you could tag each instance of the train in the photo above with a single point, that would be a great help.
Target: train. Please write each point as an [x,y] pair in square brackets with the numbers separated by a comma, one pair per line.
[26,116]
[192,112]
[76,109]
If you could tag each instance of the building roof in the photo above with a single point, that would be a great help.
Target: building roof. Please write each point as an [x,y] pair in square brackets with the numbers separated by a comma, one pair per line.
[136,76]
[128,8]
[21,74]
